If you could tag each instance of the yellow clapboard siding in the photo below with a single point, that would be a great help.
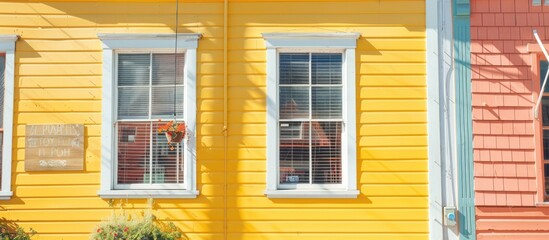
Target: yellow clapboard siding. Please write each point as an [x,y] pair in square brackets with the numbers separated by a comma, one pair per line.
[392,105]
[380,19]
[392,56]
[59,105]
[395,153]
[53,178]
[328,236]
[326,214]
[60,8]
[248,129]
[393,69]
[238,93]
[59,94]
[392,93]
[362,202]
[390,141]
[395,43]
[58,69]
[59,81]
[126,20]
[392,81]
[379,190]
[393,117]
[61,118]
[330,226]
[394,166]
[362,7]
[393,178]
[248,104]
[392,129]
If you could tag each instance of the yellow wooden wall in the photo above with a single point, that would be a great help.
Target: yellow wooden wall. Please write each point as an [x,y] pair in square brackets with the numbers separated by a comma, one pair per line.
[58,80]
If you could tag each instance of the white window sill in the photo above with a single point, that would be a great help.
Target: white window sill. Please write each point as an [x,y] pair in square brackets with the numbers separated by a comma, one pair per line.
[5,195]
[312,193]
[148,194]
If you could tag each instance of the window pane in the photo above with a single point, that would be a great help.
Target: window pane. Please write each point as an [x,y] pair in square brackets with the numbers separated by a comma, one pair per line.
[163,68]
[294,152]
[294,102]
[133,152]
[326,152]
[133,102]
[326,102]
[294,68]
[163,102]
[167,163]
[133,69]
[542,72]
[326,68]
[140,162]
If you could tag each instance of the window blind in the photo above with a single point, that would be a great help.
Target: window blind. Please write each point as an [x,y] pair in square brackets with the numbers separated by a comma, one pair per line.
[310,118]
[146,88]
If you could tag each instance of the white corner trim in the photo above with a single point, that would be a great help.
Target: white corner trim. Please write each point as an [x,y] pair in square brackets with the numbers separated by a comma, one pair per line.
[312,193]
[346,42]
[7,46]
[148,193]
[433,12]
[146,42]
[311,40]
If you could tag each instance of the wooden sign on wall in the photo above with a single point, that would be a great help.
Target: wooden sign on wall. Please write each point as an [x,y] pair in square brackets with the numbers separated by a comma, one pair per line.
[54,147]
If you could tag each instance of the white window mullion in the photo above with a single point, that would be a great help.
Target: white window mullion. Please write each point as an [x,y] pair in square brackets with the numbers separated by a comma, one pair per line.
[151,124]
[310,120]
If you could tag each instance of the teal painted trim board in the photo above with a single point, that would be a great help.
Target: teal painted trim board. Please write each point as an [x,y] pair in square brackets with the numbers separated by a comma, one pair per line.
[464,121]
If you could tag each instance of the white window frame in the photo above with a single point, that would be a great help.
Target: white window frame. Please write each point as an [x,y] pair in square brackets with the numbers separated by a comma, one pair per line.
[113,43]
[313,42]
[7,46]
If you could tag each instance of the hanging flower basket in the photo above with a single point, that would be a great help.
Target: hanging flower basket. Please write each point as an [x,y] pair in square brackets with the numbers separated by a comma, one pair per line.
[175,132]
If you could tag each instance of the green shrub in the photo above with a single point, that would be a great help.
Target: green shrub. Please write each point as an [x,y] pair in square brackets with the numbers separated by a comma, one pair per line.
[11,231]
[130,227]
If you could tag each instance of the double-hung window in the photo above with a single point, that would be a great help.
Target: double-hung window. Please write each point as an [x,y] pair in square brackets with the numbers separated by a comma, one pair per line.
[146,85]
[311,143]
[7,63]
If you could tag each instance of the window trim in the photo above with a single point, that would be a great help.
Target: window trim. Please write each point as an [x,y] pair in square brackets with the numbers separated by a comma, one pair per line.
[113,43]
[7,46]
[313,42]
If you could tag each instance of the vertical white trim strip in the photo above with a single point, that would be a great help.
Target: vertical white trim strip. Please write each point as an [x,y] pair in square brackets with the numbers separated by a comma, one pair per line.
[7,45]
[190,118]
[272,116]
[107,126]
[350,142]
[433,119]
